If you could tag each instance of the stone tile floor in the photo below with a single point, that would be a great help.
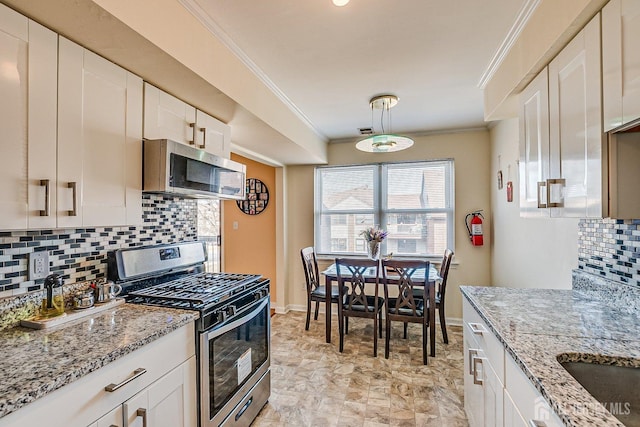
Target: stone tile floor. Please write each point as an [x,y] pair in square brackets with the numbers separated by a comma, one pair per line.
[313,384]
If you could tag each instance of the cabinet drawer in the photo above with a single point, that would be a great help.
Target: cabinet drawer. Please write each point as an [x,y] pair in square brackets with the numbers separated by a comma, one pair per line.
[484,337]
[84,401]
[527,399]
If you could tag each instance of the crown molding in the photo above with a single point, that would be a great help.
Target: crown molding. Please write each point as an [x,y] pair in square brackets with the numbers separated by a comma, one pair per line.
[521,21]
[201,15]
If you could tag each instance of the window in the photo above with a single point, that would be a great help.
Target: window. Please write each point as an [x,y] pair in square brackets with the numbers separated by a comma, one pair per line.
[209,232]
[412,201]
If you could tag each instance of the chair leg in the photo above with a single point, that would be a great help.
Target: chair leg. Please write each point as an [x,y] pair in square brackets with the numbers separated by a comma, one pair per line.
[443,326]
[405,330]
[306,326]
[341,323]
[387,336]
[346,326]
[315,314]
[380,322]
[425,334]
[375,336]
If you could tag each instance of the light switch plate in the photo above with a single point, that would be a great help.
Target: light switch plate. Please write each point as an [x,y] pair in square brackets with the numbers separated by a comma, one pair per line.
[38,265]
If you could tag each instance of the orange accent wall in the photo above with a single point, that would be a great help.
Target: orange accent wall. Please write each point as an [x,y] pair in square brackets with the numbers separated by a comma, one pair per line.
[251,248]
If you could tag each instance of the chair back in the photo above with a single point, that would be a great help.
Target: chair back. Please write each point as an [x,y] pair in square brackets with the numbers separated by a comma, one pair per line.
[405,275]
[444,272]
[353,271]
[310,264]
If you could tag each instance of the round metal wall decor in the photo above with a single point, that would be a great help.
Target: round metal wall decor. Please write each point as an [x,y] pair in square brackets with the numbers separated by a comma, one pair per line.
[257,197]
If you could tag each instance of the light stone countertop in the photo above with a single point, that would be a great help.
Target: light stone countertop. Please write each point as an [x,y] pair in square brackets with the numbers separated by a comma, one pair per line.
[34,363]
[539,326]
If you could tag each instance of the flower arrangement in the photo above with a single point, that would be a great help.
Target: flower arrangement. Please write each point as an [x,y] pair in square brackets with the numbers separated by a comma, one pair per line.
[373,234]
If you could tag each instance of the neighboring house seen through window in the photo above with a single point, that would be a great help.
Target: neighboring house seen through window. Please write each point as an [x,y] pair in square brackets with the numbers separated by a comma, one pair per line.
[412,201]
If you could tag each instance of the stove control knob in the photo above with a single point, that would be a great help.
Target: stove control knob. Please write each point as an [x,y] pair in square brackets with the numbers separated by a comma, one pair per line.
[221,316]
[231,310]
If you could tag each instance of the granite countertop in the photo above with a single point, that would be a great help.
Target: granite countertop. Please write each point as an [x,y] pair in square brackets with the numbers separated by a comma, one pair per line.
[540,326]
[37,362]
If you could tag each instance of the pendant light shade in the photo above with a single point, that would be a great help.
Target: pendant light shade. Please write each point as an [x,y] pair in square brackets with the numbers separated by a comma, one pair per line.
[384,142]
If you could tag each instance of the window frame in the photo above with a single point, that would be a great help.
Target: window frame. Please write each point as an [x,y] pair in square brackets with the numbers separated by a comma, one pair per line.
[380,210]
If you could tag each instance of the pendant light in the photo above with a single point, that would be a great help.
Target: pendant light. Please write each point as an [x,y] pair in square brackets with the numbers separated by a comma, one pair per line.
[384,142]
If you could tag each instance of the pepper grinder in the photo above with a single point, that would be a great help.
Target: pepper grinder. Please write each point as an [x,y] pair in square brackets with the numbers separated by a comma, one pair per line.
[53,302]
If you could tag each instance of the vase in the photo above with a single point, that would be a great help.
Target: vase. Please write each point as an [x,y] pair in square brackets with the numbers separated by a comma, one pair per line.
[373,250]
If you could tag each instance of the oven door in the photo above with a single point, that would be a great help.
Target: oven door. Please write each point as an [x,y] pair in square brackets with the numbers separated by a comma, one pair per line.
[234,357]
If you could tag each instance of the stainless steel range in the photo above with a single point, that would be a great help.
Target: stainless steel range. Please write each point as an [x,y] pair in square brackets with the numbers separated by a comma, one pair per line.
[233,331]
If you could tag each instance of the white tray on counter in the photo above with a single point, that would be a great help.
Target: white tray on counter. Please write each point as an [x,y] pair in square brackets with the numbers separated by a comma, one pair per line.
[68,316]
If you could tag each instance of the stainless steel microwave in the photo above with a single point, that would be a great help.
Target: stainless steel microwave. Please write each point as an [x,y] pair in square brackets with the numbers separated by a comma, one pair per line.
[180,170]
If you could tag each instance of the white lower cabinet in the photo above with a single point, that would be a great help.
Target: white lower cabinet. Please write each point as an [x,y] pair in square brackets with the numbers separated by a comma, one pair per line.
[158,379]
[496,390]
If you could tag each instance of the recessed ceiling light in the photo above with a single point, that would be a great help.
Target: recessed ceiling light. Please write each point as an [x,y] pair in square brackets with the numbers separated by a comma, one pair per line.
[340,2]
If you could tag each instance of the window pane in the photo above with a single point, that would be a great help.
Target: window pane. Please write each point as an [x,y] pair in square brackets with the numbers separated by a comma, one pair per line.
[347,189]
[342,235]
[427,234]
[417,186]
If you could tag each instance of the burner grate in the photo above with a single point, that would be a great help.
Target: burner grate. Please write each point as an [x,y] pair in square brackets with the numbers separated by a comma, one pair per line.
[197,290]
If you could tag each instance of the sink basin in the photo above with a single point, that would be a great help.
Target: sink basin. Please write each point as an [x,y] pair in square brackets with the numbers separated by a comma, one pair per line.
[615,387]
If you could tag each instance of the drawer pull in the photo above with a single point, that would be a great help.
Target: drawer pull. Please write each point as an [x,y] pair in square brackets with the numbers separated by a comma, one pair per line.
[537,423]
[142,413]
[472,354]
[477,328]
[137,373]
[204,138]
[74,195]
[194,129]
[476,380]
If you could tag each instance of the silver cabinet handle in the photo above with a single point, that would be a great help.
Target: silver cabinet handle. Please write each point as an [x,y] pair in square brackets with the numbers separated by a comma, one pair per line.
[204,138]
[141,412]
[74,195]
[541,185]
[537,423]
[47,190]
[477,328]
[476,380]
[472,354]
[550,182]
[193,133]
[137,373]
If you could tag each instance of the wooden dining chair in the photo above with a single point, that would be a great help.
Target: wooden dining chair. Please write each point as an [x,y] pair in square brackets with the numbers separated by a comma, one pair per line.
[441,292]
[353,275]
[315,291]
[399,279]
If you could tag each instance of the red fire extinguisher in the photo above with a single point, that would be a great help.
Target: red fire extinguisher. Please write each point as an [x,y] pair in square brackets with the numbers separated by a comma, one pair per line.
[474,227]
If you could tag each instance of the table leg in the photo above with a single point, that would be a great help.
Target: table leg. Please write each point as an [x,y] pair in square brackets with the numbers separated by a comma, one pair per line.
[432,318]
[327,307]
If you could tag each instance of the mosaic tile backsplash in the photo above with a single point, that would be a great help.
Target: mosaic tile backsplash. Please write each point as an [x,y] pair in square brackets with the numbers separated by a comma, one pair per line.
[79,254]
[610,248]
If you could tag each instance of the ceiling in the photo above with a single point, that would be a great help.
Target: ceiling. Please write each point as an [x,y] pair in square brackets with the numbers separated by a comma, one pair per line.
[326,62]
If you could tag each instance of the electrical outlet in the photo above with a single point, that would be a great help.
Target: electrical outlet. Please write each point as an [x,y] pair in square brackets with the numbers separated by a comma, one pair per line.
[38,265]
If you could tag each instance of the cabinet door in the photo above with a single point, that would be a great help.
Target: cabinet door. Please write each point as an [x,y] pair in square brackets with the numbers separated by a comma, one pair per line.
[512,417]
[213,136]
[473,394]
[492,391]
[14,36]
[167,117]
[99,141]
[169,402]
[620,62]
[112,419]
[576,138]
[534,146]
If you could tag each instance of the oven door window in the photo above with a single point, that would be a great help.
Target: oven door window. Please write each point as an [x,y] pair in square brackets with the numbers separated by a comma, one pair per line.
[235,355]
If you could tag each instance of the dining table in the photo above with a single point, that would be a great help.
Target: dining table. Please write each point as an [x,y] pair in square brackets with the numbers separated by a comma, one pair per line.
[331,275]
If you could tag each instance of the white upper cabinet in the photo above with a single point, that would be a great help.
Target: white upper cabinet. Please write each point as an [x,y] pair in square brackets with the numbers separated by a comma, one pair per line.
[99,141]
[562,156]
[576,138]
[620,62]
[167,117]
[28,85]
[534,146]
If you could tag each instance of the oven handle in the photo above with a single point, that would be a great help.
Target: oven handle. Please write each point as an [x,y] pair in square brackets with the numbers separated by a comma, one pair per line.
[238,320]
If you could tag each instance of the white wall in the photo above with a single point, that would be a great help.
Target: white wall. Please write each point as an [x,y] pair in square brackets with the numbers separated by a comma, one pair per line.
[471,154]
[526,252]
